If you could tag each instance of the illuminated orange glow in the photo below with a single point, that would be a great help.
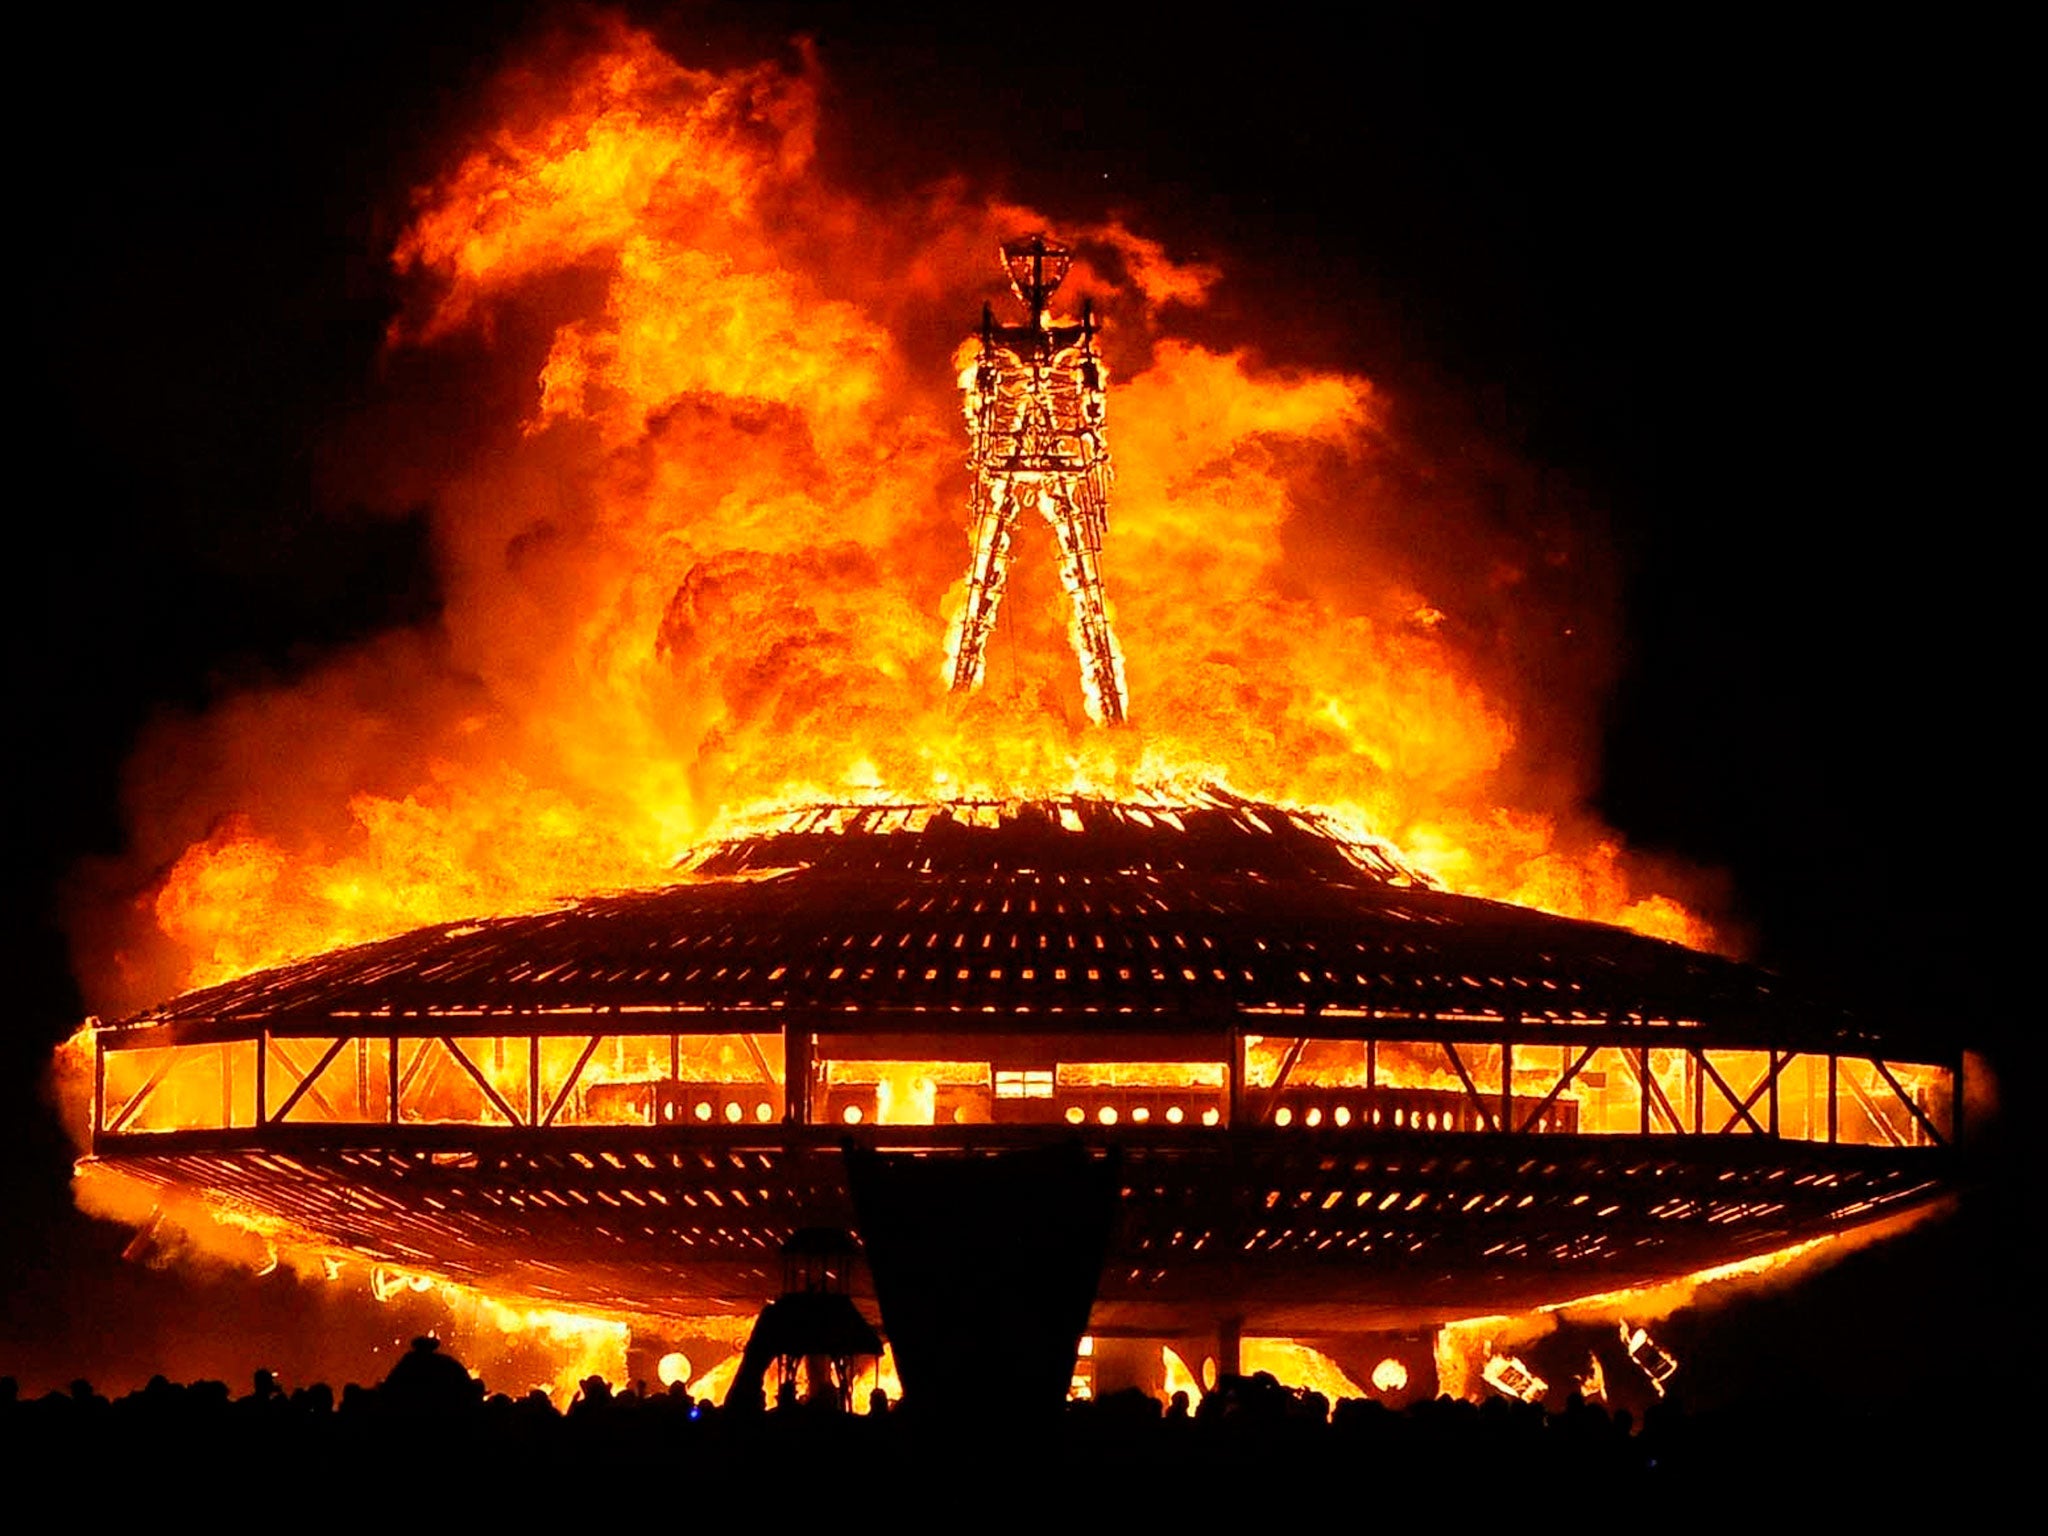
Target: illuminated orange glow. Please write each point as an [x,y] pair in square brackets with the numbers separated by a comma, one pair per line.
[1177,1375]
[738,1079]
[1464,1347]
[491,1333]
[1294,1364]
[709,568]
[711,565]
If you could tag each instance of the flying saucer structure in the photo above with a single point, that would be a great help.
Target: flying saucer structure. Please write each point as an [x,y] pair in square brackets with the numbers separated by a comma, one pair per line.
[1326,1097]
[1335,1098]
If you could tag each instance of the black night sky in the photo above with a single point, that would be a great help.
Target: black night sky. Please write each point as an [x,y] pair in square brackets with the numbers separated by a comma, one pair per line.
[1748,280]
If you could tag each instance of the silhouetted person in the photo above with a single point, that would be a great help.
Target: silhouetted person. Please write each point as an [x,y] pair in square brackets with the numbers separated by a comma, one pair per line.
[426,1381]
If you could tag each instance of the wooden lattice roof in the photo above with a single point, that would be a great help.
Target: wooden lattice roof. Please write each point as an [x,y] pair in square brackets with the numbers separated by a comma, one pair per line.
[1069,914]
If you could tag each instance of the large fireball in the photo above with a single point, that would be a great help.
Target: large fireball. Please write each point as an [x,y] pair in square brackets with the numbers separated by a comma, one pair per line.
[710,559]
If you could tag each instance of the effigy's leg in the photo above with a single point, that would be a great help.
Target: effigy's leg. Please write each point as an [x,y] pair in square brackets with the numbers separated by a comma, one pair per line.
[995,516]
[1102,664]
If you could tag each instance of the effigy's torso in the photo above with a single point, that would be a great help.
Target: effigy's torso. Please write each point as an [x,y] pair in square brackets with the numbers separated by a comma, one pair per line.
[1037,408]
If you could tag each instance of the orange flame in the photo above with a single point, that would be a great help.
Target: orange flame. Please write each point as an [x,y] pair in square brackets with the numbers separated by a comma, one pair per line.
[712,562]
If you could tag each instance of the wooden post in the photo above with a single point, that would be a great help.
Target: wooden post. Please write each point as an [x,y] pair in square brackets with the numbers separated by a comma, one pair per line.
[796,1074]
[262,1077]
[1834,1128]
[1236,1084]
[533,1080]
[99,1083]
[393,1065]
[1229,1347]
[1776,1067]
[1507,1083]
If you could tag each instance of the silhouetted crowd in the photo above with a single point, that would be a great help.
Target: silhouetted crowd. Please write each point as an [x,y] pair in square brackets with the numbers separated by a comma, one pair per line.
[431,1434]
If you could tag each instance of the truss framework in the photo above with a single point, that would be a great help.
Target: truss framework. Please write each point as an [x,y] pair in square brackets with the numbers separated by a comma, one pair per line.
[539,1073]
[1326,1082]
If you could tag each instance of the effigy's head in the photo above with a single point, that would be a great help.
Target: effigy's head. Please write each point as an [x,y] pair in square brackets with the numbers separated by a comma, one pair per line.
[1036,266]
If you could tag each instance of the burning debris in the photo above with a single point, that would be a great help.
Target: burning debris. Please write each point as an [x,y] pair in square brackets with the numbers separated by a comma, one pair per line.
[1655,1362]
[1509,1377]
[1593,1385]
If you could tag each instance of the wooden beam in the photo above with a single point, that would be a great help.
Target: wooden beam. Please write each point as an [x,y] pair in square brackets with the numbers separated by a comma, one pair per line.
[497,1099]
[1280,1078]
[1653,1091]
[1769,1080]
[1741,1105]
[796,1073]
[412,1071]
[760,1061]
[1664,1103]
[1486,1119]
[1871,1110]
[1563,1083]
[142,1094]
[286,1056]
[1926,1124]
[305,1086]
[569,1082]
[1506,1118]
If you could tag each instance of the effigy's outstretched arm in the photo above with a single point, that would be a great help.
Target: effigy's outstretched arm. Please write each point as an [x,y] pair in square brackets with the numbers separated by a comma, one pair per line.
[995,515]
